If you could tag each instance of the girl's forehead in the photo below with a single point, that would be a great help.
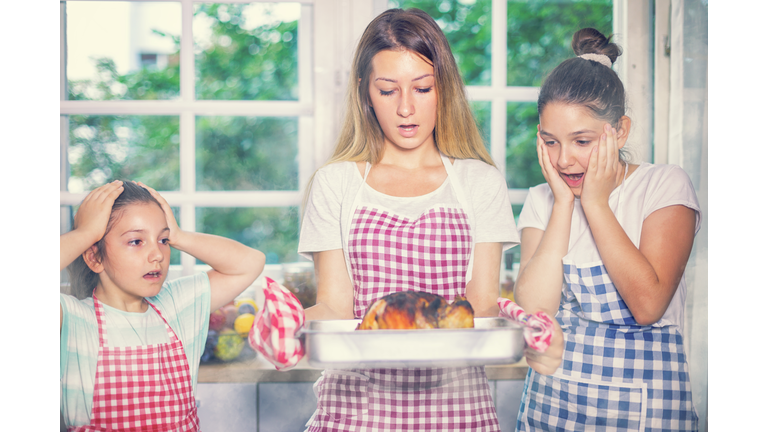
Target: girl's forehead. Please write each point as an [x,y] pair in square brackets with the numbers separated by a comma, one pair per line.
[558,112]
[147,215]
[399,61]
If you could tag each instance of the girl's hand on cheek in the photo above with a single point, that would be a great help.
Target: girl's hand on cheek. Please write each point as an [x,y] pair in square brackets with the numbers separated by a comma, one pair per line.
[175,231]
[560,189]
[94,212]
[602,176]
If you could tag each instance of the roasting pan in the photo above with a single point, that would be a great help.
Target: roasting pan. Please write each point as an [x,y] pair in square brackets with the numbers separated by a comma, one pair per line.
[335,344]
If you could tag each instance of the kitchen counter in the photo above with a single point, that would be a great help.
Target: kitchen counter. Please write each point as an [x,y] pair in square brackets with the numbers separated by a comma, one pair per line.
[257,369]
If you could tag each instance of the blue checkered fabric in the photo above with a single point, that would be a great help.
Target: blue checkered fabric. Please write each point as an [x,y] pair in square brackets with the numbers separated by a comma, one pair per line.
[616,375]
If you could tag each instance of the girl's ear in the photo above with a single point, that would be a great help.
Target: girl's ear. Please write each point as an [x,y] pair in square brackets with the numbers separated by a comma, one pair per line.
[93,260]
[625,123]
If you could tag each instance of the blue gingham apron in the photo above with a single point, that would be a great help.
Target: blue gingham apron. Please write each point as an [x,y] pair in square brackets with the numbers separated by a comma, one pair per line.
[616,375]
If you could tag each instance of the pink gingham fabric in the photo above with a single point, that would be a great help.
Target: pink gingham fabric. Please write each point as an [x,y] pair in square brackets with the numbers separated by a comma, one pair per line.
[390,253]
[538,326]
[143,388]
[276,324]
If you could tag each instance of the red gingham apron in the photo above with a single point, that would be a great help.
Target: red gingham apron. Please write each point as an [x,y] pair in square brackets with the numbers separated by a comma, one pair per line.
[141,388]
[391,253]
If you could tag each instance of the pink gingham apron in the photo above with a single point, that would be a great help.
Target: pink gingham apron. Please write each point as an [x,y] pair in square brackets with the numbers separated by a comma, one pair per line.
[390,253]
[141,388]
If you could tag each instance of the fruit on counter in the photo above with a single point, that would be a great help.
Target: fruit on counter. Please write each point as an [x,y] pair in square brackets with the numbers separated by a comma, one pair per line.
[217,321]
[229,345]
[244,306]
[243,324]
[230,313]
[210,344]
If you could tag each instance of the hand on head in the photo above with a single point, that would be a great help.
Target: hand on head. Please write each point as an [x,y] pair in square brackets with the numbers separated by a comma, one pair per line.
[169,217]
[93,215]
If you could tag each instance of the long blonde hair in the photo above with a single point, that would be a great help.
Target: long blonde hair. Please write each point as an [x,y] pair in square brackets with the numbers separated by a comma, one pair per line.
[456,133]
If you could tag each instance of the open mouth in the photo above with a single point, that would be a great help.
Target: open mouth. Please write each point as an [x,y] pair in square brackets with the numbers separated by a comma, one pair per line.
[153,275]
[573,180]
[408,130]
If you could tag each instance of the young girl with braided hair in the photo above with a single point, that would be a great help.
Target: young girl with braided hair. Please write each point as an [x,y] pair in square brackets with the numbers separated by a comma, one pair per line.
[604,245]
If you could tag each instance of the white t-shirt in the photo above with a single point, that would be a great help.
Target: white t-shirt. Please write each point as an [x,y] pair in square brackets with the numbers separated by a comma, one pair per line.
[649,188]
[335,186]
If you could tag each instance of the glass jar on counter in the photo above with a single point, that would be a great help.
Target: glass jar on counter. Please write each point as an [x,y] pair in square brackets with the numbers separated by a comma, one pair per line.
[299,278]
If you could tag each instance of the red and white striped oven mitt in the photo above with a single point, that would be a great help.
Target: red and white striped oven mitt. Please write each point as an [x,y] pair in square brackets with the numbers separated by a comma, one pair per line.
[276,324]
[538,326]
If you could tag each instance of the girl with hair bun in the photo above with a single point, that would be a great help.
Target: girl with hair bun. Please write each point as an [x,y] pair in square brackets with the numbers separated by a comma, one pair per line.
[604,245]
[131,341]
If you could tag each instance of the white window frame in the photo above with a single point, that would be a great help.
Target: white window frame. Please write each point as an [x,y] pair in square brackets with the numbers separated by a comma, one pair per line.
[187,108]
[328,34]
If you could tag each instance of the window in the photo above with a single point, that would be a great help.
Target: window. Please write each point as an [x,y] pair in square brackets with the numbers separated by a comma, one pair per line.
[209,103]
[227,108]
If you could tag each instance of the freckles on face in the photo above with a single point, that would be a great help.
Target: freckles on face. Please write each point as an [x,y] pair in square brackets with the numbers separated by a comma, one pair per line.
[403,96]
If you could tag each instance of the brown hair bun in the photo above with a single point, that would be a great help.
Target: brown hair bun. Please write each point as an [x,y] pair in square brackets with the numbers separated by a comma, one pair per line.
[591,41]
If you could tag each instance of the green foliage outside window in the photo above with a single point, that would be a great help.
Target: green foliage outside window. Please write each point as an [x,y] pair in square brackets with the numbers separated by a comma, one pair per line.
[241,64]
[240,153]
[233,153]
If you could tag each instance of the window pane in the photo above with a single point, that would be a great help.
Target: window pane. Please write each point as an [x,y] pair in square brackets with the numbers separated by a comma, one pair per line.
[272,230]
[246,51]
[123,50]
[247,153]
[539,34]
[482,112]
[523,170]
[467,26]
[141,148]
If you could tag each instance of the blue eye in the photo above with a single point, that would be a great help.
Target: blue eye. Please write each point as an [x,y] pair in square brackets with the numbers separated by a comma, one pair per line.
[165,241]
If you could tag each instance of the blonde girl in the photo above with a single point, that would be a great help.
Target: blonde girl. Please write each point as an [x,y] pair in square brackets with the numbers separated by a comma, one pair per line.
[410,200]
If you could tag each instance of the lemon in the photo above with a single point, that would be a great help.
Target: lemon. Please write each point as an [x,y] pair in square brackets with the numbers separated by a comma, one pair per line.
[243,323]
